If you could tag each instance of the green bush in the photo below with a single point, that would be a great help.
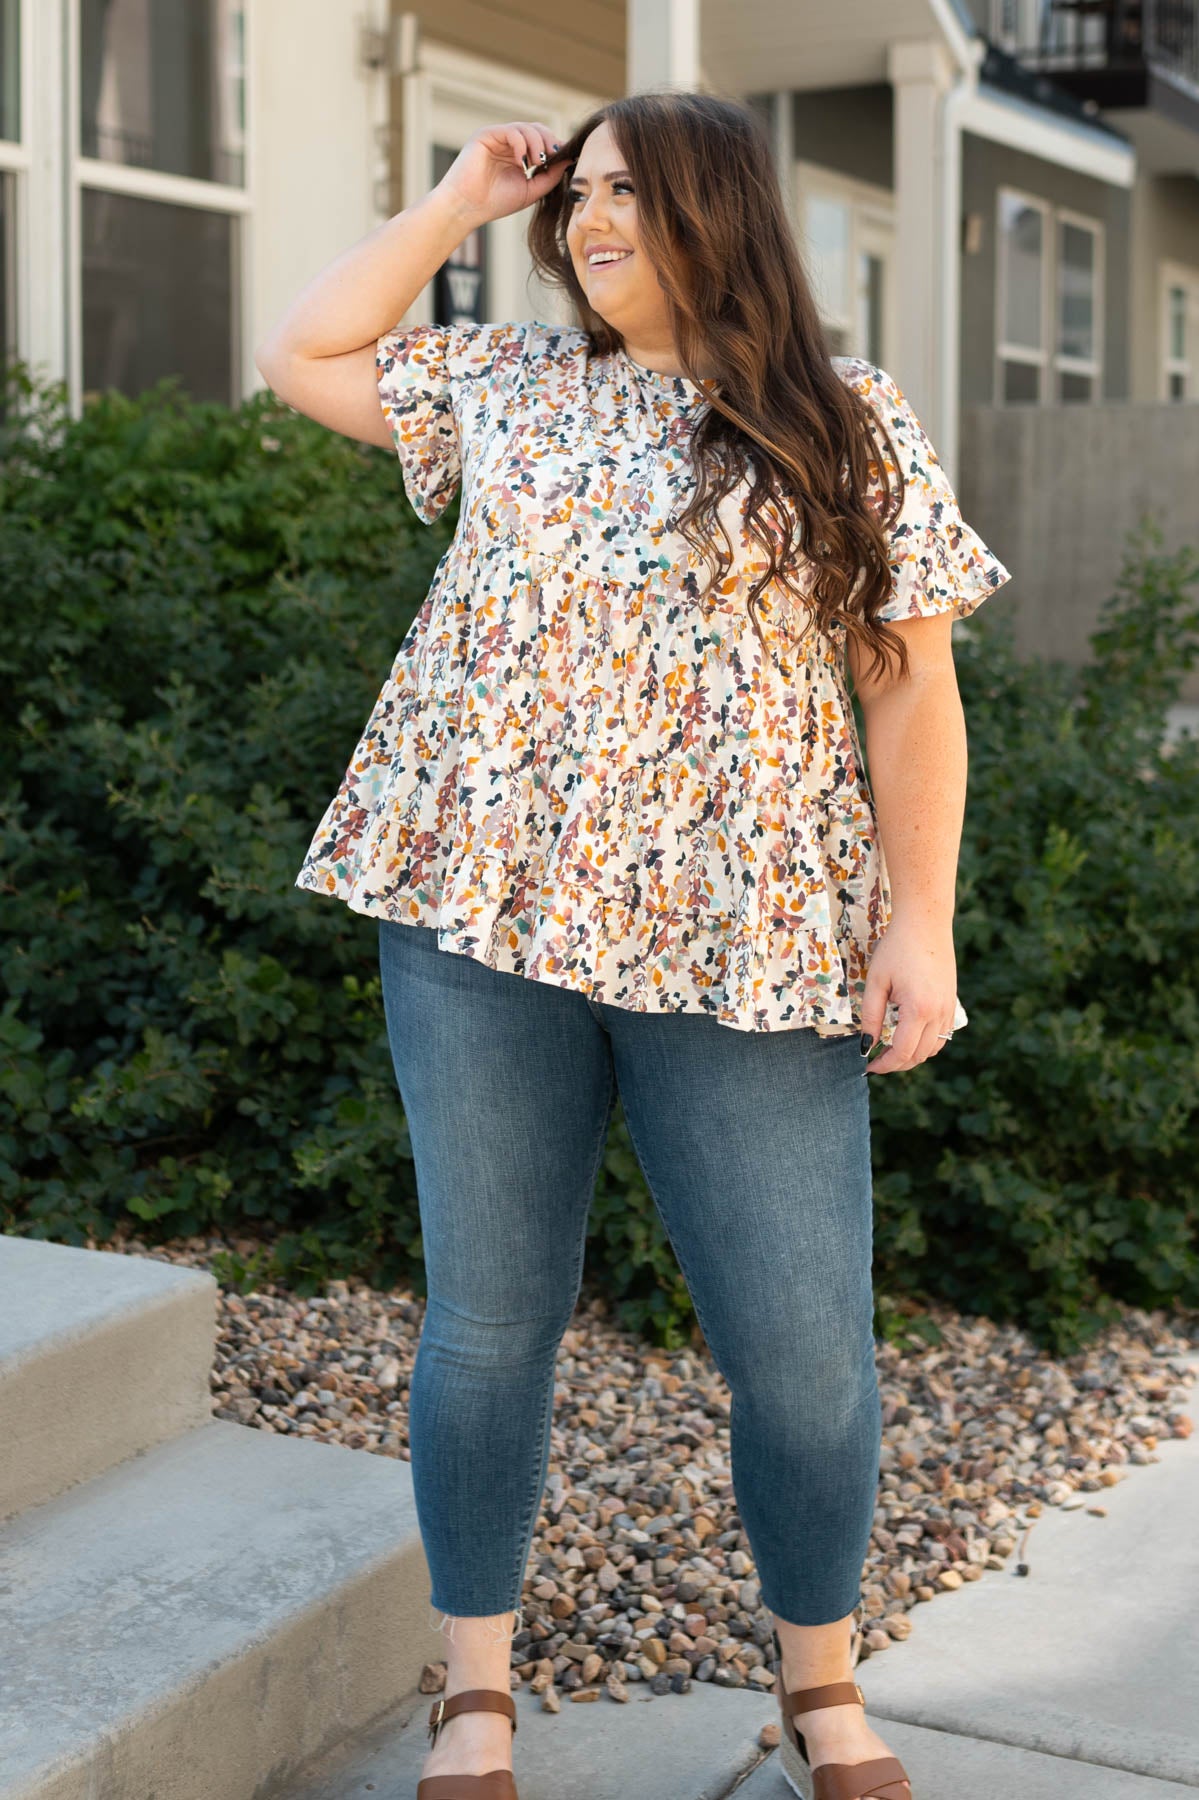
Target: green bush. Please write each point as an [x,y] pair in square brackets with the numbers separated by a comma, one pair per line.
[200,608]
[1047,1165]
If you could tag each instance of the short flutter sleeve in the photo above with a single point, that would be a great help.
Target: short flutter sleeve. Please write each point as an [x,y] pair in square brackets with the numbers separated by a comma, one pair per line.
[435,381]
[939,562]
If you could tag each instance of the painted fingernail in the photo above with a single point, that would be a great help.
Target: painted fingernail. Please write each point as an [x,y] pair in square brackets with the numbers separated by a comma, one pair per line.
[864,1043]
[524,163]
[542,157]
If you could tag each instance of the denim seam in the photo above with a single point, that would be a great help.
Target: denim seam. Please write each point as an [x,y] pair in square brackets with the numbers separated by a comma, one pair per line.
[547,1410]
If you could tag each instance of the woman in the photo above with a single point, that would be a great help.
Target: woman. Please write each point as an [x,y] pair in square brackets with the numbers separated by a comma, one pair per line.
[616,757]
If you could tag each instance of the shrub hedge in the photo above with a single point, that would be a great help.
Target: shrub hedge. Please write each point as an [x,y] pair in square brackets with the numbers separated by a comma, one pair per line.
[200,606]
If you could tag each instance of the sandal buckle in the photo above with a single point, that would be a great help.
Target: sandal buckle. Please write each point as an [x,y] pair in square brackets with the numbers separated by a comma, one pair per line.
[436,1718]
[861,1696]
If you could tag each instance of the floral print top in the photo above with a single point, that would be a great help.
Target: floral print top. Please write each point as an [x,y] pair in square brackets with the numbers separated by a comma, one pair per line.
[580,769]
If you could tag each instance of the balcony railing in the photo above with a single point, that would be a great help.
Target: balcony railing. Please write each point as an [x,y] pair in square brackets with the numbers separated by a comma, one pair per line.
[1117,36]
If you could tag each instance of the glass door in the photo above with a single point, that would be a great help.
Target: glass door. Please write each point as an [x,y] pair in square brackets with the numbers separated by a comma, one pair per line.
[846,242]
[873,250]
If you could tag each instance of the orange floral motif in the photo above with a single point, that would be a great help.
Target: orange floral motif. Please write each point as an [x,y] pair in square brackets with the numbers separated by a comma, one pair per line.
[582,767]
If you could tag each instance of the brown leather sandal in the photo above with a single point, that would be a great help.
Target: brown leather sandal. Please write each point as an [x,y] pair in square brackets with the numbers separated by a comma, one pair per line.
[497,1784]
[878,1778]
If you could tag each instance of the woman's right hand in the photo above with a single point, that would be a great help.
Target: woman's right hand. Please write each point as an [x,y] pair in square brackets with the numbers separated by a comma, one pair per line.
[487,181]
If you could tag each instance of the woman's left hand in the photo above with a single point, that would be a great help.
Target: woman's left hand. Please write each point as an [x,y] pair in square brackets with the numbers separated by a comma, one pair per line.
[914,967]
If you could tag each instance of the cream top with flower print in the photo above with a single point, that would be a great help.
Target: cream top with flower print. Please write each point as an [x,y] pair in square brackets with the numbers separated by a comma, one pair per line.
[581,769]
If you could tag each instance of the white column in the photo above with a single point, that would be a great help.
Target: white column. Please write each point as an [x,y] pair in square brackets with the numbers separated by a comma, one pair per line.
[45,258]
[921,73]
[662,44]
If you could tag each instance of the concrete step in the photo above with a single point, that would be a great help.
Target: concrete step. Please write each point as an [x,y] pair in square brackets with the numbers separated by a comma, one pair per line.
[695,1746]
[197,1622]
[101,1356]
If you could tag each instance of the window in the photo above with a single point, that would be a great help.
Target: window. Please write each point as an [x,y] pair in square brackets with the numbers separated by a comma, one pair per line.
[161,86]
[1077,305]
[1022,309]
[10,69]
[1180,333]
[158,288]
[162,133]
[1048,311]
[828,223]
[846,247]
[871,271]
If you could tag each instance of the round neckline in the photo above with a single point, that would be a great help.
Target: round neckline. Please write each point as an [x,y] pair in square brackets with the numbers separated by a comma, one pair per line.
[679,383]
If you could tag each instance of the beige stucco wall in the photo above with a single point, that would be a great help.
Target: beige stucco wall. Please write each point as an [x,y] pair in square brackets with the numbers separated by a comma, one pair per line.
[318,172]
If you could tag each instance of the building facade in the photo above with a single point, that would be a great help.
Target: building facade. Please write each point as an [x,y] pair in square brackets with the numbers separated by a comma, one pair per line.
[172,172]
[996,200]
[1022,175]
[1134,65]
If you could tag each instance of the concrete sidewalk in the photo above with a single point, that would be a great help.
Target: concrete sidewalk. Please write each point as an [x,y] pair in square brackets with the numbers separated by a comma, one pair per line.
[1079,1681]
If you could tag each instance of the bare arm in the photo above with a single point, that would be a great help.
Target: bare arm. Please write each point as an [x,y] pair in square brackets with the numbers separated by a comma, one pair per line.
[320,358]
[916,749]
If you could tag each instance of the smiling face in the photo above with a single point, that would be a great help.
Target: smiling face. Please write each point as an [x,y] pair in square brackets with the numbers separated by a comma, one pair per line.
[610,264]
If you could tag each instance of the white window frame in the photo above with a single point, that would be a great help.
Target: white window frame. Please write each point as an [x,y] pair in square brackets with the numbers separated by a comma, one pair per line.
[1185,276]
[1051,362]
[871,215]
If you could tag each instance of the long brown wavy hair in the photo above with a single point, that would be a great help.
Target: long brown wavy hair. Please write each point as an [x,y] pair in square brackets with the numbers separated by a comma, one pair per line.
[711,218]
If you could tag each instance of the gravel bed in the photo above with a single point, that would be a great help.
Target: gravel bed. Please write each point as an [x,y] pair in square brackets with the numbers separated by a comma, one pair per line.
[639,1570]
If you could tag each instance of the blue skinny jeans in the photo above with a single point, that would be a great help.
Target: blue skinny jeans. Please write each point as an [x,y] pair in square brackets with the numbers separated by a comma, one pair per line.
[756,1149]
